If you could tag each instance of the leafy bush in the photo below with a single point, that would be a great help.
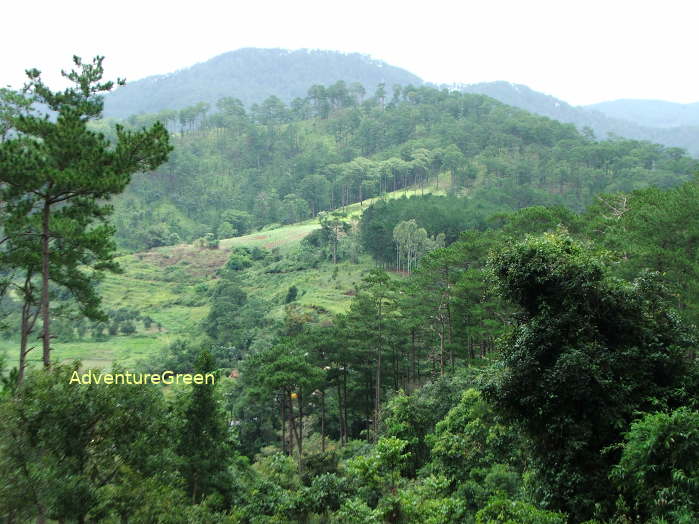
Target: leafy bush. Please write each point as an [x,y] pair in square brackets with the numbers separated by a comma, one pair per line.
[505,511]
[658,473]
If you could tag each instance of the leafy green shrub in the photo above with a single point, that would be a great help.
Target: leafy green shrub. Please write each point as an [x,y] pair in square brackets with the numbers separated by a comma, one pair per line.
[127,328]
[327,492]
[471,437]
[658,473]
[504,511]
[291,294]
[238,261]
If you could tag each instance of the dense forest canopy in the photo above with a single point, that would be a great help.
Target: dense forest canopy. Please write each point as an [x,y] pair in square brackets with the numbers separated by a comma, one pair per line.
[515,340]
[234,170]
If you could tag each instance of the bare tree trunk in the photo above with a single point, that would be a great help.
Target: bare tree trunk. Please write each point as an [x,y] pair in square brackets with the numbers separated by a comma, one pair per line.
[283,410]
[322,421]
[344,404]
[339,409]
[45,284]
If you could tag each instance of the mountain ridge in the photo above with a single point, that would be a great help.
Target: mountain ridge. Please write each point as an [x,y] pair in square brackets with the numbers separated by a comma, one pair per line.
[251,75]
[254,74]
[603,125]
[650,112]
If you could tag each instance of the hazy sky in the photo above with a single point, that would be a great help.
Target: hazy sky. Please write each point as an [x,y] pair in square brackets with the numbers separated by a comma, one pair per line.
[580,51]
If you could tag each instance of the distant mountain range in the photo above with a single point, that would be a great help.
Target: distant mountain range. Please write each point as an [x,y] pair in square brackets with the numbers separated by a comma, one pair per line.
[651,113]
[623,117]
[252,75]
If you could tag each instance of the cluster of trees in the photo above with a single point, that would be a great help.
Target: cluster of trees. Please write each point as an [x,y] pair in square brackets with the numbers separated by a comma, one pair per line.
[109,452]
[280,164]
[412,242]
[69,325]
[586,408]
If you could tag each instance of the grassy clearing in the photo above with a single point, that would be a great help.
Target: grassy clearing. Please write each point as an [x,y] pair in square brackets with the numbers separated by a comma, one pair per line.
[124,350]
[171,285]
[325,289]
[284,238]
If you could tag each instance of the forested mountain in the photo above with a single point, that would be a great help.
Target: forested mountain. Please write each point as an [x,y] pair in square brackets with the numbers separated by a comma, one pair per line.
[237,170]
[252,75]
[651,113]
[518,349]
[672,125]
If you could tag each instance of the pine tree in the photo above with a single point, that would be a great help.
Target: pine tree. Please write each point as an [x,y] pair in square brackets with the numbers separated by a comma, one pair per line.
[204,443]
[55,175]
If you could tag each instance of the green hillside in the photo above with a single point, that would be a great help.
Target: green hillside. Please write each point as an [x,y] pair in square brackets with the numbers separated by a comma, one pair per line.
[240,170]
[171,285]
[666,123]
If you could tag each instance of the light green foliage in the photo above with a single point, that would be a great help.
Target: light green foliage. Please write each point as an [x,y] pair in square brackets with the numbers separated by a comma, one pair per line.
[326,493]
[412,242]
[470,439]
[356,511]
[505,511]
[658,473]
[413,417]
[379,473]
[429,501]
[279,469]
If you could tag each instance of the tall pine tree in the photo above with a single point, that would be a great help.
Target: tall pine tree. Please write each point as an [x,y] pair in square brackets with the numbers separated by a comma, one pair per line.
[56,173]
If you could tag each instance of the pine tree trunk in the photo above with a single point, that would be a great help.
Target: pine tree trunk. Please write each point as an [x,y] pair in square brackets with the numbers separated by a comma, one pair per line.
[283,416]
[340,407]
[300,400]
[26,329]
[45,284]
[344,403]
[322,422]
[441,352]
[378,395]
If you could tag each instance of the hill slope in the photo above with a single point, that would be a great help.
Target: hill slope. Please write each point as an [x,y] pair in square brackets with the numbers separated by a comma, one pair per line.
[252,75]
[659,122]
[172,285]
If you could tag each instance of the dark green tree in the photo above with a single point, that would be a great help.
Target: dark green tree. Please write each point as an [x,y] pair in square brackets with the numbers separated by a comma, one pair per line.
[204,443]
[587,353]
[62,443]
